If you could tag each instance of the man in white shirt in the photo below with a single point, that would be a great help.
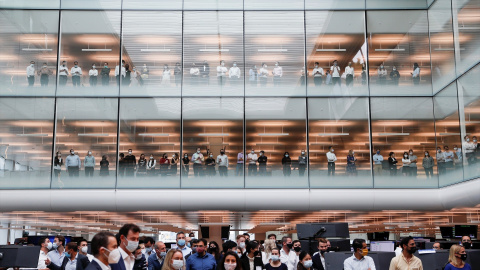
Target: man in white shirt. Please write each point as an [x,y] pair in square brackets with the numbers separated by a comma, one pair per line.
[117,72]
[83,249]
[252,163]
[129,239]
[103,243]
[197,159]
[317,74]
[181,244]
[377,163]
[349,74]
[76,72]
[222,161]
[234,73]
[62,73]
[469,150]
[263,74]
[287,255]
[331,158]
[221,73]
[277,74]
[359,259]
[93,73]
[335,70]
[31,73]
[45,246]
[195,74]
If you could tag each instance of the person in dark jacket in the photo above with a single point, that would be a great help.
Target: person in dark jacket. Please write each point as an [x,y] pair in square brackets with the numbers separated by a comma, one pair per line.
[252,257]
[102,244]
[392,162]
[287,164]
[71,255]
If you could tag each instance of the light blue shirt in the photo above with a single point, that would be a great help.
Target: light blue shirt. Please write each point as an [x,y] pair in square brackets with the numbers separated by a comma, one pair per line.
[89,161]
[72,265]
[72,161]
[56,258]
[352,263]
[377,159]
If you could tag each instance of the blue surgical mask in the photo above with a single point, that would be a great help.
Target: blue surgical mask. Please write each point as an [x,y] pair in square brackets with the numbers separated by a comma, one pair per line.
[308,263]
[181,242]
[67,255]
[148,249]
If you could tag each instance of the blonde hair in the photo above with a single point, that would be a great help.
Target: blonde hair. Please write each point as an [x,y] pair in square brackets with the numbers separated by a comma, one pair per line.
[454,249]
[269,245]
[168,258]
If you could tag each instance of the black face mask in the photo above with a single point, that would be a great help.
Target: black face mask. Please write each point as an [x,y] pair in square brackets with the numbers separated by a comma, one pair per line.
[329,249]
[323,251]
[412,250]
[297,249]
[463,257]
[290,246]
[467,245]
[256,253]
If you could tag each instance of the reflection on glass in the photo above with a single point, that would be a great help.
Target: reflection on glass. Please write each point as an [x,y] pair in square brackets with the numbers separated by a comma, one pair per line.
[441,42]
[339,142]
[213,5]
[29,52]
[403,130]
[336,53]
[393,4]
[399,56]
[152,4]
[276,138]
[26,128]
[468,23]
[212,142]
[274,53]
[91,4]
[213,53]
[468,87]
[86,137]
[334,5]
[152,55]
[150,130]
[89,52]
[26,4]
[273,5]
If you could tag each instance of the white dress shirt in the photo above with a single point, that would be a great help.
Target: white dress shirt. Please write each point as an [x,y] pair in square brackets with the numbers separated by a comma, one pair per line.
[30,71]
[288,259]
[63,70]
[222,160]
[41,260]
[93,72]
[253,158]
[277,71]
[318,72]
[331,157]
[335,71]
[117,70]
[103,266]
[195,156]
[128,259]
[416,72]
[263,72]
[76,69]
[352,263]
[234,72]
[194,71]
[221,71]
[90,257]
[349,70]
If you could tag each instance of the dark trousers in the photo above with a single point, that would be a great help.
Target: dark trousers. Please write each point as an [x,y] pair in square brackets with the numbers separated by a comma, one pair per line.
[88,171]
[73,171]
[413,171]
[93,80]
[317,81]
[301,169]
[252,169]
[429,172]
[76,80]
[105,80]
[349,79]
[470,158]
[186,170]
[44,80]
[277,81]
[221,80]
[56,173]
[416,80]
[441,168]
[31,80]
[287,170]
[336,80]
[331,168]
[197,169]
[263,81]
[393,171]
[223,170]
[62,79]
[239,169]
[129,171]
[262,169]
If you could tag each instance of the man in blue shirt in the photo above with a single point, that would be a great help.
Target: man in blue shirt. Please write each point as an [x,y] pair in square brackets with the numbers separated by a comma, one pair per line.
[156,259]
[58,253]
[201,260]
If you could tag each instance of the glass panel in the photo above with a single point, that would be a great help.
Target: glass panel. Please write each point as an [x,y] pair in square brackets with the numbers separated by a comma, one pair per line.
[30,4]
[394,4]
[399,39]
[88,127]
[89,38]
[213,41]
[92,4]
[275,126]
[468,20]
[342,124]
[441,42]
[334,4]
[151,42]
[398,126]
[211,125]
[330,39]
[26,128]
[449,143]
[149,127]
[152,4]
[273,38]
[28,36]
[468,84]
[273,5]
[213,5]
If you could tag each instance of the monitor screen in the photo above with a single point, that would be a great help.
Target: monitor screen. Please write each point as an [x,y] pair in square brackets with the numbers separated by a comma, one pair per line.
[382,246]
[447,232]
[461,230]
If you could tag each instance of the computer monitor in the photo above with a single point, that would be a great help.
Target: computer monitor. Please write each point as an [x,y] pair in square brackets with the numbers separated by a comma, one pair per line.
[447,232]
[382,246]
[461,230]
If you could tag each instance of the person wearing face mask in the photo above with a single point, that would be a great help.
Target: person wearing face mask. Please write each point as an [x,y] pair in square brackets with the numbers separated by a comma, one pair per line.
[44,73]
[441,161]
[449,157]
[193,243]
[476,145]
[275,263]
[377,163]
[328,78]
[140,259]
[105,74]
[297,248]
[104,163]
[174,164]
[287,164]
[466,242]
[181,244]
[142,166]
[263,75]
[174,260]
[76,72]
[157,258]
[45,247]
[268,245]
[252,257]
[62,74]
[89,164]
[201,260]
[164,164]
[198,160]
[457,258]
[382,75]
[359,260]
[252,163]
[72,260]
[120,73]
[406,260]
[230,261]
[253,75]
[413,163]
[351,163]
[222,161]
[221,73]
[205,72]
[241,245]
[72,164]
[93,74]
[392,164]
[234,74]
[406,164]
[151,166]
[262,163]
[335,71]
[395,76]
[302,163]
[469,149]
[177,72]
[331,158]
[130,163]
[318,258]
[364,74]
[186,165]
[210,165]
[145,72]
[458,158]
[83,249]
[194,74]
[428,164]
[349,74]
[31,73]
[102,245]
[215,251]
[317,74]
[57,165]
[129,240]
[416,74]
[277,73]
[127,80]
[304,261]
[135,77]
[287,255]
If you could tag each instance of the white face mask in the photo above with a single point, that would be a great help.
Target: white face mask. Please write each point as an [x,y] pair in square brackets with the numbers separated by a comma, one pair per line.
[211,155]
[129,152]
[455,148]
[89,153]
[49,245]
[71,152]
[151,157]
[468,139]
[276,65]
[253,152]
[93,67]
[31,65]
[44,66]
[198,151]
[303,153]
[332,150]
[394,69]
[230,266]
[241,245]
[405,155]
[84,249]
[223,64]
[261,154]
[234,65]
[411,153]
[177,264]
[131,246]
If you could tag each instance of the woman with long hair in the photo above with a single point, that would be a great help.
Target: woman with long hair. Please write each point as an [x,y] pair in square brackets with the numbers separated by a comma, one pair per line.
[304,261]
[173,260]
[456,259]
[230,261]
[214,249]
